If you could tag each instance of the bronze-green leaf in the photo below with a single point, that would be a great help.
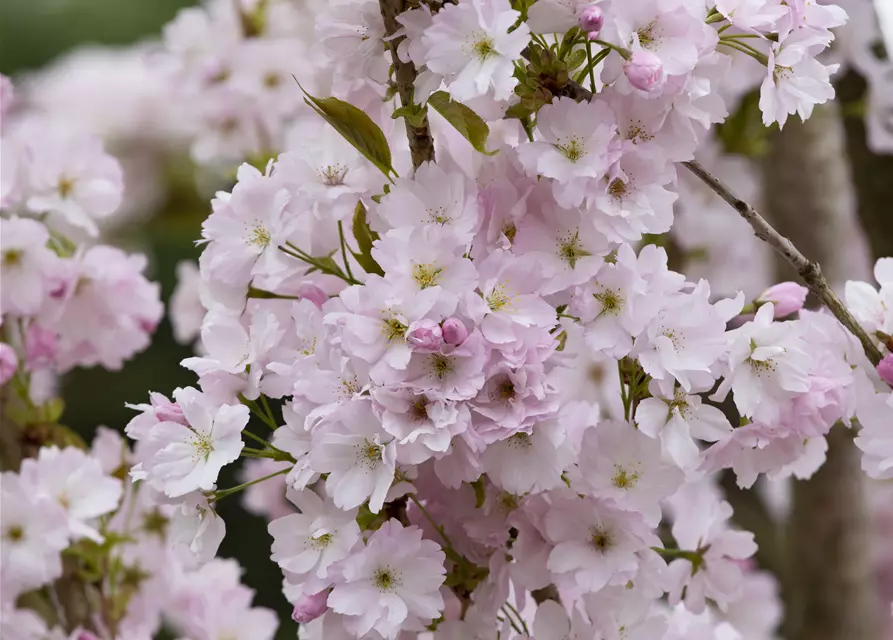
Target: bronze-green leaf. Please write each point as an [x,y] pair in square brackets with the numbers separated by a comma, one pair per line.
[466,121]
[365,236]
[356,127]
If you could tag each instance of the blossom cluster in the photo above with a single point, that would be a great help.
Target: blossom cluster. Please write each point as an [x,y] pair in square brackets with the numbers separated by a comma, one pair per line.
[133,553]
[475,398]
[66,301]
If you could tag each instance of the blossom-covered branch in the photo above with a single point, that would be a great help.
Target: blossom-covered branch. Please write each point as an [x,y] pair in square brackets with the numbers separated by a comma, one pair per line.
[808,270]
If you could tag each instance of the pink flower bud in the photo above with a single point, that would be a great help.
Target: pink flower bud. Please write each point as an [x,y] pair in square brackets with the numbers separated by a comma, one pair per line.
[309,608]
[85,635]
[592,19]
[41,347]
[454,331]
[424,335]
[787,296]
[9,362]
[645,71]
[170,412]
[314,294]
[885,369]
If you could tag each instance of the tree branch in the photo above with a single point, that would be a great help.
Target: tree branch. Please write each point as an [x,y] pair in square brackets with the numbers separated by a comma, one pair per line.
[421,144]
[809,271]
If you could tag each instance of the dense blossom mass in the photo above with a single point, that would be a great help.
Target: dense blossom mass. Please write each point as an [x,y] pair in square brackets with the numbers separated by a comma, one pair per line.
[476,398]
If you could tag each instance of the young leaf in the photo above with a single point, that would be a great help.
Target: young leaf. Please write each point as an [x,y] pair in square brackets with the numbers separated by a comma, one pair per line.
[364,237]
[356,127]
[466,121]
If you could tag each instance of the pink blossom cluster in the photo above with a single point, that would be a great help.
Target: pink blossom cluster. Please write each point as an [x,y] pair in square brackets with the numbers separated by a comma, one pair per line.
[65,301]
[474,398]
[68,503]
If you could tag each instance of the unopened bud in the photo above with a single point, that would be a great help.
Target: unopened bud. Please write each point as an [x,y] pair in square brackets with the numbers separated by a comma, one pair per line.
[454,331]
[41,346]
[309,608]
[592,19]
[9,362]
[885,369]
[314,294]
[424,335]
[788,297]
[170,412]
[645,71]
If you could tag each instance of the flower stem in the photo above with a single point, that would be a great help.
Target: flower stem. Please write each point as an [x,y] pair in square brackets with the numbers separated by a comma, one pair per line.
[218,495]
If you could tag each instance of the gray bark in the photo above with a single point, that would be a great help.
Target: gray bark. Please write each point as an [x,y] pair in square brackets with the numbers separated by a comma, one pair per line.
[827,586]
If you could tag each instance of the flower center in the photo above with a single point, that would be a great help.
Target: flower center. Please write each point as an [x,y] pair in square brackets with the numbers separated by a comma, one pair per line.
[510,231]
[646,35]
[570,249]
[272,80]
[15,533]
[258,234]
[611,301]
[573,150]
[483,47]
[441,365]
[601,539]
[386,579]
[498,299]
[65,186]
[349,387]
[617,188]
[624,478]
[438,215]
[12,257]
[418,410]
[394,329]
[333,175]
[202,445]
[369,453]
[321,541]
[426,275]
[520,441]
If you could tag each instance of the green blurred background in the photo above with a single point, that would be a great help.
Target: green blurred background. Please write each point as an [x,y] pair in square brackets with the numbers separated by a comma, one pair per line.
[32,34]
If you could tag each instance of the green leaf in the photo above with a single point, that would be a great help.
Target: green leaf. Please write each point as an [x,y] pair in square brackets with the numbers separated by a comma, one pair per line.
[466,121]
[356,127]
[53,409]
[415,114]
[480,492]
[575,59]
[365,237]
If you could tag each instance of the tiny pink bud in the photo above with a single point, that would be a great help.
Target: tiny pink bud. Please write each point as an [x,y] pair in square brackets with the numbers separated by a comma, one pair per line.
[85,635]
[787,296]
[309,608]
[885,369]
[645,71]
[454,331]
[314,294]
[41,347]
[170,412]
[592,19]
[9,362]
[424,335]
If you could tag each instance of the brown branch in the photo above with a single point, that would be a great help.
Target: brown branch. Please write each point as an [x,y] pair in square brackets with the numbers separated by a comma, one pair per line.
[421,144]
[808,270]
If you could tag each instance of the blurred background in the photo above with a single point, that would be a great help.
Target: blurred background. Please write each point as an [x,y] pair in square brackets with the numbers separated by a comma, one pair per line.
[828,184]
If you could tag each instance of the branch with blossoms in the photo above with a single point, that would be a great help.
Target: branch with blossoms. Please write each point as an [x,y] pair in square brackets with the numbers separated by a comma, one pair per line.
[408,356]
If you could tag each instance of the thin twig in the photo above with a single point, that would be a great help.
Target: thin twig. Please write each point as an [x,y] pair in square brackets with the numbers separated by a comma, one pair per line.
[421,144]
[809,271]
